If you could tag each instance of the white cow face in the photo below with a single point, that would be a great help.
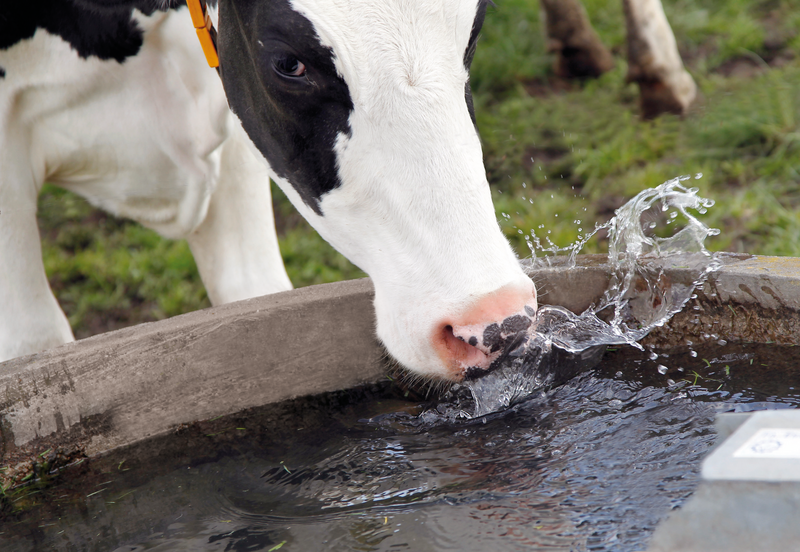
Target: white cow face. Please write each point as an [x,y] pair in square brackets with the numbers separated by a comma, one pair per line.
[363,111]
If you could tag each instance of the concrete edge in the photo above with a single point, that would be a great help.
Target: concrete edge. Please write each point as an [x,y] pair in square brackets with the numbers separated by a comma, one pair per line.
[125,386]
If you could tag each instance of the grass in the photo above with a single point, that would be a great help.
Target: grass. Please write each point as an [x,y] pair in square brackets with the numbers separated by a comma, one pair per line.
[586,152]
[560,156]
[109,273]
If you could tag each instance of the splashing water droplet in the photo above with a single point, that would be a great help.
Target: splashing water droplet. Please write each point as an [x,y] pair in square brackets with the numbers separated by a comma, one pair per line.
[640,296]
[662,369]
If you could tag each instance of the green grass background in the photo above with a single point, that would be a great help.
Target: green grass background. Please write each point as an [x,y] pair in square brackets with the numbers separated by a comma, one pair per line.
[559,154]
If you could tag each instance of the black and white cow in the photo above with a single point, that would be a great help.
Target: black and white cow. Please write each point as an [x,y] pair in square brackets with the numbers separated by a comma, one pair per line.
[360,110]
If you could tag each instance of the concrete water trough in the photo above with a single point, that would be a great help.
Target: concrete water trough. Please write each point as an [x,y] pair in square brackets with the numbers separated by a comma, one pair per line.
[120,387]
[154,380]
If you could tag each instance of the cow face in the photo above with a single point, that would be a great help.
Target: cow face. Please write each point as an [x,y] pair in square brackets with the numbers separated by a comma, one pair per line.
[362,109]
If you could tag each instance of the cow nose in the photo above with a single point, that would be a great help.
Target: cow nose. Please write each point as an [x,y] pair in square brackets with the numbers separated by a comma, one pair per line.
[495,337]
[488,334]
[497,341]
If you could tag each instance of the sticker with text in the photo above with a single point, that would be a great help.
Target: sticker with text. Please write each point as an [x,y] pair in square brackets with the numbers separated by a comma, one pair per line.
[771,443]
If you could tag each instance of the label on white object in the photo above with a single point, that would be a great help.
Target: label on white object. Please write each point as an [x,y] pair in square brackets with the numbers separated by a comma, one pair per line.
[771,443]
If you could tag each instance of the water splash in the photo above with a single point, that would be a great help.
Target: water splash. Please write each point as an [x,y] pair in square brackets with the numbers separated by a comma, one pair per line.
[640,295]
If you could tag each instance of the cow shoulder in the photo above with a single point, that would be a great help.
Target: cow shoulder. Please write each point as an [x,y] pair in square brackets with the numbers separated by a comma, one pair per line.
[104,29]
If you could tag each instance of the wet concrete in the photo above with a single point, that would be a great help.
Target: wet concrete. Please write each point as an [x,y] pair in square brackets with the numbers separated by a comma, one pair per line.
[749,498]
[755,299]
[119,388]
[734,516]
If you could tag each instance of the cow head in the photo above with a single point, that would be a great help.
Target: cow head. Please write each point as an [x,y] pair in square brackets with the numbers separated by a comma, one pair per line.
[362,109]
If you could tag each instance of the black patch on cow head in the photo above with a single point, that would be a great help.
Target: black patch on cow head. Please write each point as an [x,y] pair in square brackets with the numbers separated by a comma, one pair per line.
[469,53]
[93,28]
[283,85]
[2,73]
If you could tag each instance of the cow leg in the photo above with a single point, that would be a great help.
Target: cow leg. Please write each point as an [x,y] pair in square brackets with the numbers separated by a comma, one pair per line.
[30,318]
[236,247]
[654,62]
[570,35]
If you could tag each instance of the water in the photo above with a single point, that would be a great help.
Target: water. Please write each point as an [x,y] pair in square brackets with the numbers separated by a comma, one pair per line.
[593,464]
[636,301]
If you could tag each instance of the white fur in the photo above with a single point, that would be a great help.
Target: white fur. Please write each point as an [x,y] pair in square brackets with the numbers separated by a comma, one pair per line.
[151,139]
[657,49]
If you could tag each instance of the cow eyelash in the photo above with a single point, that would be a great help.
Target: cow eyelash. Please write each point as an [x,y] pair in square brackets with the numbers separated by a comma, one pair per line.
[287,65]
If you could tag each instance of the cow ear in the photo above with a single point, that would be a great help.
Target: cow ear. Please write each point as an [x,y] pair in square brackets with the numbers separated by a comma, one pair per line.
[477,24]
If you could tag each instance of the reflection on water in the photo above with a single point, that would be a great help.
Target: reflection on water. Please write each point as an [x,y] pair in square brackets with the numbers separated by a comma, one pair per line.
[592,464]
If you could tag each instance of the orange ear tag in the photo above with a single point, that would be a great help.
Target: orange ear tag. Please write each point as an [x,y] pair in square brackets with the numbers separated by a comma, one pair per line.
[205,31]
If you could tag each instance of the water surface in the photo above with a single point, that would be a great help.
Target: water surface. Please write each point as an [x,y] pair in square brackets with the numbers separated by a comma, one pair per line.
[592,464]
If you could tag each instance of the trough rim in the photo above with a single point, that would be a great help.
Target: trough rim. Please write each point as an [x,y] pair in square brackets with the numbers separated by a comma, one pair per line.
[122,387]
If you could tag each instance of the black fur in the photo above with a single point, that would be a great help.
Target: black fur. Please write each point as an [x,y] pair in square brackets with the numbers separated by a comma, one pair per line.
[102,28]
[294,122]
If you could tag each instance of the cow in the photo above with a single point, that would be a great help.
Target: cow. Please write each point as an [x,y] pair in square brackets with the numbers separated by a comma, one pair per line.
[360,110]
[654,62]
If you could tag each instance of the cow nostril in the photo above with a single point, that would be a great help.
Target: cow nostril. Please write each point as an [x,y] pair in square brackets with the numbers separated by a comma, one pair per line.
[461,351]
[471,340]
[448,329]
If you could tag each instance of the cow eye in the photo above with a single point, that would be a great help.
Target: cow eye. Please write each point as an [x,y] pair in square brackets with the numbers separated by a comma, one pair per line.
[288,65]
